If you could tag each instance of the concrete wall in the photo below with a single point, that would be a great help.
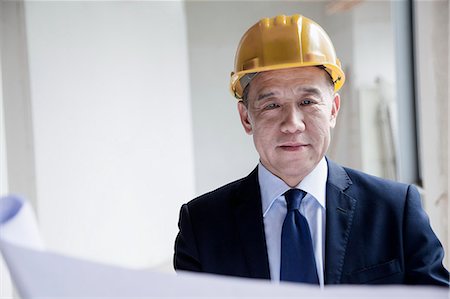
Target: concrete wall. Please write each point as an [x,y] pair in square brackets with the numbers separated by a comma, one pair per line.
[112,134]
[16,134]
[5,280]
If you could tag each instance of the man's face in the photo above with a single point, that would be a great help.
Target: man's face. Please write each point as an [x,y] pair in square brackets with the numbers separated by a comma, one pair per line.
[290,113]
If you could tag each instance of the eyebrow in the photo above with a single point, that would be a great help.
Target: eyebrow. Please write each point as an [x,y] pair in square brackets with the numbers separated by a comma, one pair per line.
[265,95]
[312,90]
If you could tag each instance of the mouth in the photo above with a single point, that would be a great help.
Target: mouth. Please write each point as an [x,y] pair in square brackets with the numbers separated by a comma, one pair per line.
[292,147]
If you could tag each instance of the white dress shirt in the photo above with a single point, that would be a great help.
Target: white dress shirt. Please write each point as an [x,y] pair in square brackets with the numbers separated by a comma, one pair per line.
[274,211]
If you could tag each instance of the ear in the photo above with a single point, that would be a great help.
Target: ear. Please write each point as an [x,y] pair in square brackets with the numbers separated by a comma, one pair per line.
[245,118]
[335,105]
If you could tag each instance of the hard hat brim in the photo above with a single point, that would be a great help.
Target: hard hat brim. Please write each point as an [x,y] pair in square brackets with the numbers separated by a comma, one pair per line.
[337,75]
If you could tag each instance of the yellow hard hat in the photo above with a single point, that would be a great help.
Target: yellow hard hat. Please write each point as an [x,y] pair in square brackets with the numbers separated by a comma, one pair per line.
[283,42]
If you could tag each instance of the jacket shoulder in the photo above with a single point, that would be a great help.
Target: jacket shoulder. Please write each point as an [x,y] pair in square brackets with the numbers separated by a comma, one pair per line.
[223,195]
[370,182]
[368,189]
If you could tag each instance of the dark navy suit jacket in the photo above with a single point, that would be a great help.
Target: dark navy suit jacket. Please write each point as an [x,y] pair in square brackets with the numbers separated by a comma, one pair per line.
[376,232]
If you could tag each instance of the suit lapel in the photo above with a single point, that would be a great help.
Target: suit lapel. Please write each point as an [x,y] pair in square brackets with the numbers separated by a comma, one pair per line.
[340,208]
[248,216]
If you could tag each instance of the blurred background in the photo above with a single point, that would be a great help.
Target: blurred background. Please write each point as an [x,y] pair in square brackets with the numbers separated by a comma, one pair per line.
[114,113]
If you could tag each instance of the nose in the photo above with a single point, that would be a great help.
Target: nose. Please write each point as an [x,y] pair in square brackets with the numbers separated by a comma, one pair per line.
[292,120]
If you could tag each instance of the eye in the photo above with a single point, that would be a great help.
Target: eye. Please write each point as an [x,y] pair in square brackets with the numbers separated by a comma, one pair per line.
[306,102]
[271,106]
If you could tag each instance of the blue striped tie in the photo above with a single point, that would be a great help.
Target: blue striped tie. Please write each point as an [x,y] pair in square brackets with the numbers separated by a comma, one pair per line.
[297,255]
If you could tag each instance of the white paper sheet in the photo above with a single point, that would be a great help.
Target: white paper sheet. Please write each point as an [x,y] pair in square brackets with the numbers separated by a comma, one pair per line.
[18,223]
[41,274]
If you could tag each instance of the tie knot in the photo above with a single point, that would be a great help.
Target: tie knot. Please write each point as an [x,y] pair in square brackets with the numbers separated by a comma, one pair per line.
[294,198]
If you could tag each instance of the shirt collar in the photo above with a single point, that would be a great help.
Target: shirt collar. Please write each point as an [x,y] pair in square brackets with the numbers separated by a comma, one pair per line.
[272,187]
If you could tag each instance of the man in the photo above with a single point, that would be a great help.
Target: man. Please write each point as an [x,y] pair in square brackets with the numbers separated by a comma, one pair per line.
[299,216]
